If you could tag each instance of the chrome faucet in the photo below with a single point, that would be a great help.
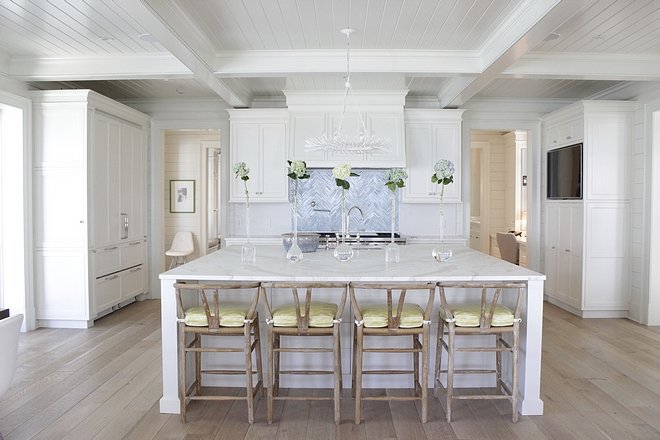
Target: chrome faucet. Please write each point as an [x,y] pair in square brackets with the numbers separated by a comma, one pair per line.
[348,219]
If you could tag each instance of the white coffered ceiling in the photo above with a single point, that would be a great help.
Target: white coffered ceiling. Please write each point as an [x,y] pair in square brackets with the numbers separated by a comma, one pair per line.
[449,50]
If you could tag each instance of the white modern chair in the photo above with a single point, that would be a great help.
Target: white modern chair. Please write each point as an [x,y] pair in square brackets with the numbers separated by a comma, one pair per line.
[182,246]
[9,330]
[508,247]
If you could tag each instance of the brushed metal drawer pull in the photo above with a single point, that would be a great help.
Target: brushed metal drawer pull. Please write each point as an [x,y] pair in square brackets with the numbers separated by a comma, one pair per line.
[111,248]
[135,243]
[112,277]
[137,269]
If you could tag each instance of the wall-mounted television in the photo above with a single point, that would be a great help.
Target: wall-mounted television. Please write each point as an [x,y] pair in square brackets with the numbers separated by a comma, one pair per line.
[565,173]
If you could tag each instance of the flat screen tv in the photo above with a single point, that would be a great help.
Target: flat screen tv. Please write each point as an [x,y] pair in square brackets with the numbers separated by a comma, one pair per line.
[565,173]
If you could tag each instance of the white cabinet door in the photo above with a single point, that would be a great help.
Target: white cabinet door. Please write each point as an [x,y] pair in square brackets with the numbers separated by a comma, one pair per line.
[426,144]
[132,183]
[262,148]
[245,148]
[563,252]
[105,152]
[387,125]
[304,126]
[272,166]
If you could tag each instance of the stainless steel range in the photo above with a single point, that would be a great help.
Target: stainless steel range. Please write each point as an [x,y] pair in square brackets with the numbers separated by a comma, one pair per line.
[360,240]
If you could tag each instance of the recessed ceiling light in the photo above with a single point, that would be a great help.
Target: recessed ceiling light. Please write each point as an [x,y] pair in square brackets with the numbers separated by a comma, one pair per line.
[106,38]
[148,37]
[180,91]
[551,36]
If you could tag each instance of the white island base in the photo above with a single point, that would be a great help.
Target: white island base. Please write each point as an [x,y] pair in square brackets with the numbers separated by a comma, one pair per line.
[415,265]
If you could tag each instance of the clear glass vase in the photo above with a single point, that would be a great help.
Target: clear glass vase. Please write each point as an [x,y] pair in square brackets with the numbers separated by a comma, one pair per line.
[343,252]
[248,251]
[440,252]
[392,249]
[294,254]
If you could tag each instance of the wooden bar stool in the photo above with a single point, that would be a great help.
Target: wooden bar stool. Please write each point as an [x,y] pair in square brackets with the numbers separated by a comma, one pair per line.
[398,318]
[306,318]
[222,313]
[485,317]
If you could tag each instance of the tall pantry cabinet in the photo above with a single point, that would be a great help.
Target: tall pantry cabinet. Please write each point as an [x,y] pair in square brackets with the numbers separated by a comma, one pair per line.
[587,251]
[90,200]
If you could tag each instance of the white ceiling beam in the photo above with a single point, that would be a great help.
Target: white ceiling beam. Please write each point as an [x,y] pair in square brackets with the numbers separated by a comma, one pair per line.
[102,67]
[589,66]
[165,22]
[281,63]
[539,19]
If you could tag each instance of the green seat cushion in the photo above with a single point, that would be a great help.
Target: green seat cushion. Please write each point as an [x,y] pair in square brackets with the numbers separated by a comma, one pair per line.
[321,314]
[468,315]
[412,316]
[231,315]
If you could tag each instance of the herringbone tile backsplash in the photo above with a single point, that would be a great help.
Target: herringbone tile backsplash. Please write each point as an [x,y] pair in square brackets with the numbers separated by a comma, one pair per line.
[368,192]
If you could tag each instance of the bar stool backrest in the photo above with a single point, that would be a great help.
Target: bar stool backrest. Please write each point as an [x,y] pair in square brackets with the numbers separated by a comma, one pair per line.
[218,294]
[303,310]
[488,302]
[394,309]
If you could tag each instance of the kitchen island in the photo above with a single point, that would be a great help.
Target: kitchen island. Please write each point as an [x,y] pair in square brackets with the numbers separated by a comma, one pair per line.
[415,265]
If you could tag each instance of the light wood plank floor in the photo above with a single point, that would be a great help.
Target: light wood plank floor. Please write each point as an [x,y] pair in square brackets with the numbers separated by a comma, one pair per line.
[600,380]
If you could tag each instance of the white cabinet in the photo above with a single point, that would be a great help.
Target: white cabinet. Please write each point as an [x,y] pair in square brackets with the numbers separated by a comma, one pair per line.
[587,261]
[563,252]
[119,273]
[431,135]
[90,205]
[565,133]
[258,138]
[118,164]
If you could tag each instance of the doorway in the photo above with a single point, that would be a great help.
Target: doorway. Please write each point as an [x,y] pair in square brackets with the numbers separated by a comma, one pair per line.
[498,187]
[194,155]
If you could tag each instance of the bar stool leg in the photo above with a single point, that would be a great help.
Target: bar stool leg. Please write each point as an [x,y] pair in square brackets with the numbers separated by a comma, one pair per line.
[247,331]
[337,375]
[257,349]
[450,370]
[354,370]
[182,373]
[425,373]
[271,374]
[438,357]
[415,355]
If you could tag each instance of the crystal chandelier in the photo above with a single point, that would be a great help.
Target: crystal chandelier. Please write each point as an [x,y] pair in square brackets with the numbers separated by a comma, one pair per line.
[363,142]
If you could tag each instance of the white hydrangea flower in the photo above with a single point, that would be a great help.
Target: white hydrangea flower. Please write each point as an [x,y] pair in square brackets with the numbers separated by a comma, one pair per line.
[444,169]
[396,174]
[341,171]
[298,168]
[241,169]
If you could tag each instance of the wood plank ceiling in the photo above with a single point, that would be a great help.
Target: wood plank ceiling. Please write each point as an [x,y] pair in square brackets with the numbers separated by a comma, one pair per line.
[445,50]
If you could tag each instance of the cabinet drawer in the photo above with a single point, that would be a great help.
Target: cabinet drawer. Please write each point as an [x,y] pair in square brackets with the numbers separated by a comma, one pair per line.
[131,253]
[133,282]
[107,291]
[107,260]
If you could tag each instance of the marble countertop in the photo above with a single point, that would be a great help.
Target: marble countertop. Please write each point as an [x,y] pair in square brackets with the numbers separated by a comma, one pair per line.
[416,265]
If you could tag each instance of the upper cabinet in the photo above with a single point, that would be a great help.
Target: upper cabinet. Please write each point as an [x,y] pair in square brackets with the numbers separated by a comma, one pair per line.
[258,138]
[311,114]
[431,135]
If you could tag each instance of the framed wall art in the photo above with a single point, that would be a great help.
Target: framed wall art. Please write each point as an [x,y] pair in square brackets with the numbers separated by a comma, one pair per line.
[182,196]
